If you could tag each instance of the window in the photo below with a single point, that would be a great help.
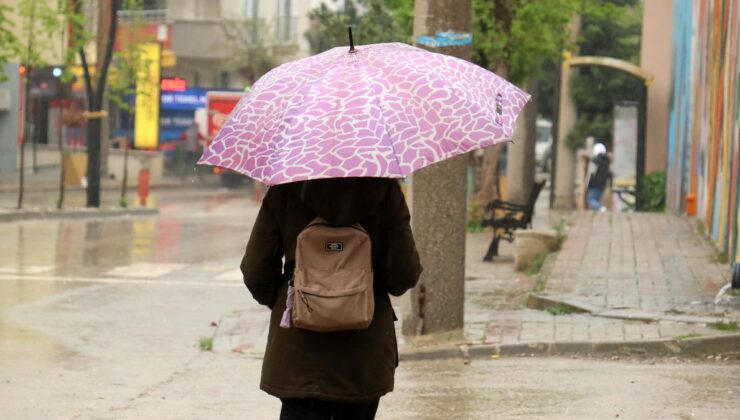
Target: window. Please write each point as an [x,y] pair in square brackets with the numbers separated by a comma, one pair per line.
[251,14]
[284,27]
[251,9]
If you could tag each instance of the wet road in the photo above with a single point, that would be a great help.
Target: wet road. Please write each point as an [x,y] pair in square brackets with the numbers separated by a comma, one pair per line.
[102,319]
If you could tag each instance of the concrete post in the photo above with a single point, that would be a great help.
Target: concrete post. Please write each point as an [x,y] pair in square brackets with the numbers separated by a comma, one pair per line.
[566,157]
[656,57]
[439,202]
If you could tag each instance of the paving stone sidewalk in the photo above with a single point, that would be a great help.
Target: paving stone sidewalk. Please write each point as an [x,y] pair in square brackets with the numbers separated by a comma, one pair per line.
[641,262]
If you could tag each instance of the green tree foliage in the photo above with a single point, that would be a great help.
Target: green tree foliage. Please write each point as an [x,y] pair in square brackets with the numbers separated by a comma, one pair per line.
[42,23]
[372,21]
[129,76]
[514,37]
[128,68]
[9,45]
[250,55]
[609,29]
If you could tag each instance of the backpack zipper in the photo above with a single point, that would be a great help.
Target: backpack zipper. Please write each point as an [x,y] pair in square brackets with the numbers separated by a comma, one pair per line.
[305,300]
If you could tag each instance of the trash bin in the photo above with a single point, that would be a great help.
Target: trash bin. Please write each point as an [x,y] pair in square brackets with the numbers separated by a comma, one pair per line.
[75,168]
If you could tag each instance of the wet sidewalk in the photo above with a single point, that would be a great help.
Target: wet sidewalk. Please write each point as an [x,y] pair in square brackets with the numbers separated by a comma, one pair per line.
[619,278]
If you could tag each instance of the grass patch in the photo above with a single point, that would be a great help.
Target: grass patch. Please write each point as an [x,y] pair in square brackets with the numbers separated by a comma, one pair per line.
[733,292]
[700,229]
[686,336]
[725,326]
[561,228]
[474,226]
[560,309]
[536,264]
[721,257]
[206,344]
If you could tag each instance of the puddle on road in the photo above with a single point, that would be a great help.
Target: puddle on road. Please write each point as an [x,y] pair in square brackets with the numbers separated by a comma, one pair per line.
[20,345]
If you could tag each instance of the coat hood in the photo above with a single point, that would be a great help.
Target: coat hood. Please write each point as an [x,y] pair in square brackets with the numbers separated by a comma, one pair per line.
[343,201]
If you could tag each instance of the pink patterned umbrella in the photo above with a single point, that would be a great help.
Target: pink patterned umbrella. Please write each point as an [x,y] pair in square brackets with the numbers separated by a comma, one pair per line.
[382,110]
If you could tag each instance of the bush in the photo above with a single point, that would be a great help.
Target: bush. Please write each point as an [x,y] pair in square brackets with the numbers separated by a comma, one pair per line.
[652,192]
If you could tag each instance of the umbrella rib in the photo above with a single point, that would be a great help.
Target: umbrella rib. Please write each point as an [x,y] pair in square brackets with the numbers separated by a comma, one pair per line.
[382,115]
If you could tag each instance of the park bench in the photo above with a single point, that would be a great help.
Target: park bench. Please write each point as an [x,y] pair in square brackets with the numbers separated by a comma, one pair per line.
[506,217]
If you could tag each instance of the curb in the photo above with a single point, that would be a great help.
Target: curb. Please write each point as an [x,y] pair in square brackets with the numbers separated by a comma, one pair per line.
[55,188]
[540,302]
[698,346]
[78,213]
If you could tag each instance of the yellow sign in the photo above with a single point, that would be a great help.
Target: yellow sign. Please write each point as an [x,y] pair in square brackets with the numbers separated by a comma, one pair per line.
[146,133]
[169,59]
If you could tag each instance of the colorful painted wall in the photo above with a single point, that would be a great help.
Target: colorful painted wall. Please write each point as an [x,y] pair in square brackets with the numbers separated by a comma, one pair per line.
[704,121]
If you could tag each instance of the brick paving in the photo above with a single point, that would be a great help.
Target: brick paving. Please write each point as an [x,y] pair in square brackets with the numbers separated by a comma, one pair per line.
[648,262]
[590,264]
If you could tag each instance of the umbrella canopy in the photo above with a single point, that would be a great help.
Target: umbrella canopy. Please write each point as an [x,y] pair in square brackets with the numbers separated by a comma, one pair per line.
[382,110]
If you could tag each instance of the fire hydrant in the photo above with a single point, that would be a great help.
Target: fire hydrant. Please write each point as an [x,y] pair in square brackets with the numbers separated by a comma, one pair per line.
[143,186]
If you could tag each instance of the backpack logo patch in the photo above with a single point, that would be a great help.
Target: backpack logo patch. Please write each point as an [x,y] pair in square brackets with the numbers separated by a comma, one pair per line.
[334,246]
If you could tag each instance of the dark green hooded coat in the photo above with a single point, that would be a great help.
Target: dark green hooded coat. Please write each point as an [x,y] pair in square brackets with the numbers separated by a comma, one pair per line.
[348,366]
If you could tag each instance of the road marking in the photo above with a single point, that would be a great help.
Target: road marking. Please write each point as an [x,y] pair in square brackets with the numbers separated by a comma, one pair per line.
[118,280]
[144,270]
[26,269]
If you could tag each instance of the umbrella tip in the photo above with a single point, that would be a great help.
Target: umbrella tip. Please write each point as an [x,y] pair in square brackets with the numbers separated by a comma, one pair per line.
[351,40]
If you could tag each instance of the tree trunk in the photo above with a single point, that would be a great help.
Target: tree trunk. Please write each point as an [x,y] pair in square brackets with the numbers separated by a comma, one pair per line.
[520,170]
[439,203]
[24,137]
[129,138]
[60,133]
[488,187]
[489,184]
[95,103]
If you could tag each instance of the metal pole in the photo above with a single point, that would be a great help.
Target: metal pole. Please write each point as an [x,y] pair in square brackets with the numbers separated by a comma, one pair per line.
[555,136]
[641,133]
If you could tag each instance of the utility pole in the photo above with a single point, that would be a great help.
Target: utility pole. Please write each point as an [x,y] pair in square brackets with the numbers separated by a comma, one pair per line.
[439,201]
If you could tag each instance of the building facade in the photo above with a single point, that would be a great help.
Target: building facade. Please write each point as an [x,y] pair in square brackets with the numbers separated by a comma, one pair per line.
[214,40]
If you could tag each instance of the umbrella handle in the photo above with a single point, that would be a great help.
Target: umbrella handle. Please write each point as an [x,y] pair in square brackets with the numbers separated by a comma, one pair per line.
[351,40]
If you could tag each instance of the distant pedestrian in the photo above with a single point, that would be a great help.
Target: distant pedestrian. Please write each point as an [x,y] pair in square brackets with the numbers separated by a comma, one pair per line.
[192,138]
[339,374]
[599,176]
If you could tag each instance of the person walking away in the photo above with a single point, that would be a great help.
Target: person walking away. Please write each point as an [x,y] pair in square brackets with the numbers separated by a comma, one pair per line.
[336,374]
[599,176]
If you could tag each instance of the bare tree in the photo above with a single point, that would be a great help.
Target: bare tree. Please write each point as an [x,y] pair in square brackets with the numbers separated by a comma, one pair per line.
[40,21]
[250,54]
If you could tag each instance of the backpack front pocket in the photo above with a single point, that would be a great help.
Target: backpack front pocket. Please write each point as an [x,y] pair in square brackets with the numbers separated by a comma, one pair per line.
[333,300]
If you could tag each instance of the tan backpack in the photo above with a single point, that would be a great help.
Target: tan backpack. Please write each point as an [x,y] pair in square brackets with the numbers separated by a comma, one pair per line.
[332,285]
